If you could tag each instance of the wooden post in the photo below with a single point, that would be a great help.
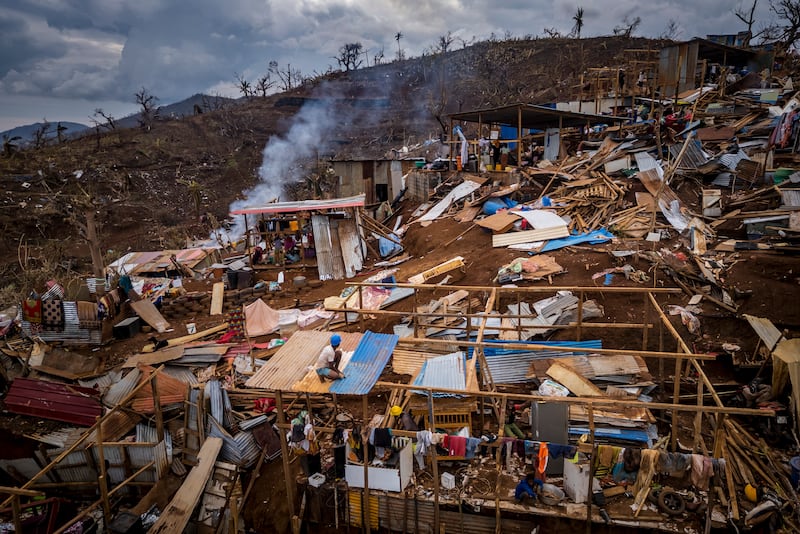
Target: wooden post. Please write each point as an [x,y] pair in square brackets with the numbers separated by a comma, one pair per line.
[364,444]
[435,466]
[17,511]
[102,479]
[285,454]
[589,492]
[416,318]
[676,391]
[361,306]
[698,417]
[580,316]
[498,454]
[157,407]
[645,314]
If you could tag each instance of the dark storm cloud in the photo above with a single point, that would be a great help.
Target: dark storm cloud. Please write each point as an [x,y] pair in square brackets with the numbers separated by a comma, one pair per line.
[109,48]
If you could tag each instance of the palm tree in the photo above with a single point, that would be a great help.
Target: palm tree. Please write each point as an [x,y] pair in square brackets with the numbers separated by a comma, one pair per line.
[578,18]
[397,38]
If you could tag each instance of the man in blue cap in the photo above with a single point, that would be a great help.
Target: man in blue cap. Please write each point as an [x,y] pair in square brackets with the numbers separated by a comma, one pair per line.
[328,361]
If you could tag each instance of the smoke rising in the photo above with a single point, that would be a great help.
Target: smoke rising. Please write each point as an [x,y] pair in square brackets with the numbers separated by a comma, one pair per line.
[282,156]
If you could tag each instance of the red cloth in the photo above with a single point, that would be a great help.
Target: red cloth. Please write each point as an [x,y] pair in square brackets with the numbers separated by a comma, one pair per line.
[458,446]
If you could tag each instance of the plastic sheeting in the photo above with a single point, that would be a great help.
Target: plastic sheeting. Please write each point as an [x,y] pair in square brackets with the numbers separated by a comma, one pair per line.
[593,238]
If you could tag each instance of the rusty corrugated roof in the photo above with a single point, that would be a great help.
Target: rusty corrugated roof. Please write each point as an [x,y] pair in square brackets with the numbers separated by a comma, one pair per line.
[290,363]
[39,398]
[304,205]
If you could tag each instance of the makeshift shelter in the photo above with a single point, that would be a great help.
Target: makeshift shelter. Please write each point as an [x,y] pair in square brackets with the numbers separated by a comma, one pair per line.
[524,116]
[336,234]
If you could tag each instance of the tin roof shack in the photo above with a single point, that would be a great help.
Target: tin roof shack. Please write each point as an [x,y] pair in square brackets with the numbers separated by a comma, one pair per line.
[684,66]
[165,263]
[336,235]
[379,180]
[526,117]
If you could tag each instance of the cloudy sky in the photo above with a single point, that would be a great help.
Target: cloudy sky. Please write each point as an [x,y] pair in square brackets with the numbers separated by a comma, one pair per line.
[61,59]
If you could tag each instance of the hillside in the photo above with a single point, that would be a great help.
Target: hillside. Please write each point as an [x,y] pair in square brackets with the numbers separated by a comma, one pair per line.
[148,189]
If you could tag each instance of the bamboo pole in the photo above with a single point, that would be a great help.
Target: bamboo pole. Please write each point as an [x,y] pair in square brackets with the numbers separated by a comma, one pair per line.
[435,466]
[531,289]
[101,480]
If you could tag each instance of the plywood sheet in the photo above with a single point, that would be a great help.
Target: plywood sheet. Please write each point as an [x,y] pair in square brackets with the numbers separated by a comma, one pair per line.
[529,236]
[176,515]
[154,358]
[574,382]
[498,223]
[217,298]
[149,314]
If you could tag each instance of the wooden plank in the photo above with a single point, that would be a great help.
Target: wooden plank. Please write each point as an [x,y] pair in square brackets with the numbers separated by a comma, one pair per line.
[500,222]
[154,358]
[149,314]
[529,236]
[177,513]
[217,298]
[449,265]
[573,381]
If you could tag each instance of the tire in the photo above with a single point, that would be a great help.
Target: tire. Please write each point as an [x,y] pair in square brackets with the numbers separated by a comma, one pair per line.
[671,502]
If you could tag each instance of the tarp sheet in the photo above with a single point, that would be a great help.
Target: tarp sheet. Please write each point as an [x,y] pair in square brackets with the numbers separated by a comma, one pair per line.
[260,319]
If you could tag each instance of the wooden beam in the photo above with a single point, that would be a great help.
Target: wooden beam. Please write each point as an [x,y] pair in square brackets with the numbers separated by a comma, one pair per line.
[534,289]
[538,346]
[176,515]
[591,401]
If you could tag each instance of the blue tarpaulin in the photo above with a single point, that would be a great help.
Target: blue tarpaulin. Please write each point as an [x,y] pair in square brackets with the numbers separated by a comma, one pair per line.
[387,247]
[593,238]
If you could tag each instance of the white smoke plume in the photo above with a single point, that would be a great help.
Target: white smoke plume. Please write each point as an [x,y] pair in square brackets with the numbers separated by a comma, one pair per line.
[282,155]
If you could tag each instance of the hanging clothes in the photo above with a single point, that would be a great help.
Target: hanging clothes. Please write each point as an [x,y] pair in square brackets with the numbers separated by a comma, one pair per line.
[542,459]
[457,446]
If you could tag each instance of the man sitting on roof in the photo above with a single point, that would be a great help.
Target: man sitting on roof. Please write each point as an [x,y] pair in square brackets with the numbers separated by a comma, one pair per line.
[328,361]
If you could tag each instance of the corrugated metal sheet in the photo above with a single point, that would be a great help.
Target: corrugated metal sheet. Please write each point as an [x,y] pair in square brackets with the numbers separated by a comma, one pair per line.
[159,261]
[399,514]
[59,402]
[71,333]
[790,197]
[509,366]
[121,389]
[160,453]
[445,372]
[326,262]
[73,468]
[409,362]
[767,331]
[240,449]
[367,364]
[290,363]
[247,424]
[350,242]
[732,160]
[304,205]
[102,382]
[692,158]
[184,374]
[213,395]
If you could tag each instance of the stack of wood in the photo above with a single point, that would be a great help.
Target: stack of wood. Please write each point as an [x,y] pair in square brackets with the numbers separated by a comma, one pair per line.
[590,202]
[749,460]
[451,307]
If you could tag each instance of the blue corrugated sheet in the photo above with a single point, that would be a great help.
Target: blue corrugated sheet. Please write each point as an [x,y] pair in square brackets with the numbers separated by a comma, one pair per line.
[509,366]
[366,364]
[616,434]
[497,350]
[445,372]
